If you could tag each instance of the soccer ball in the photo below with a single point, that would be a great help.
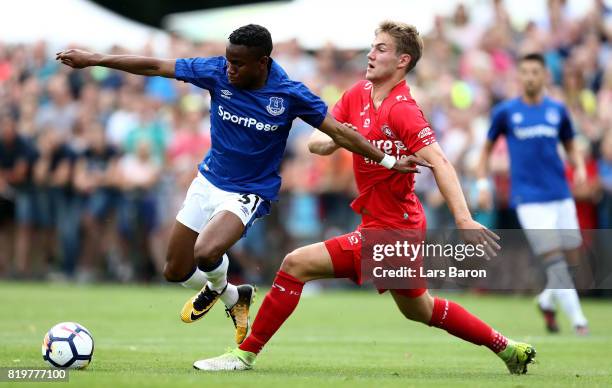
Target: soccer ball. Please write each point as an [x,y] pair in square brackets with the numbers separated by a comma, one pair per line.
[68,345]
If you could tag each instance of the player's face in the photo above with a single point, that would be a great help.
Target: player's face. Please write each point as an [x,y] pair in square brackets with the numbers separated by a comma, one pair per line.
[245,68]
[383,61]
[532,76]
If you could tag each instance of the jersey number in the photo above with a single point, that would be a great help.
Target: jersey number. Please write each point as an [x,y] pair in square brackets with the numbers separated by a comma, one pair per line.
[246,199]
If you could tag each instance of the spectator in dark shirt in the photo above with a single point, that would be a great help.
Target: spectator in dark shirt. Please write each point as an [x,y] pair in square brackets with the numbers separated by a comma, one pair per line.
[95,180]
[57,204]
[15,159]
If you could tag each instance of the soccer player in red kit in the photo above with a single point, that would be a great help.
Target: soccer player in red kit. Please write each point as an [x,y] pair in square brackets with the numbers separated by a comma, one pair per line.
[381,109]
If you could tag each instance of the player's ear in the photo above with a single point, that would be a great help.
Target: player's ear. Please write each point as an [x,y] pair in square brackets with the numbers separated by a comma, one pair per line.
[263,61]
[404,61]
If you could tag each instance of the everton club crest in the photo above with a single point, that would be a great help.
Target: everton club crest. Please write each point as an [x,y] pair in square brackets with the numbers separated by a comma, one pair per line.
[275,107]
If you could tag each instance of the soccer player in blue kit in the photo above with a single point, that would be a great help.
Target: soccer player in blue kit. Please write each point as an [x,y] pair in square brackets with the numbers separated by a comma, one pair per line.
[533,125]
[253,104]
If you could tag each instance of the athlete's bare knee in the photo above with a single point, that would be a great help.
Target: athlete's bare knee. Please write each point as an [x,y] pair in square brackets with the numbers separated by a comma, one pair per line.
[178,265]
[174,273]
[208,253]
[293,264]
[551,255]
[417,309]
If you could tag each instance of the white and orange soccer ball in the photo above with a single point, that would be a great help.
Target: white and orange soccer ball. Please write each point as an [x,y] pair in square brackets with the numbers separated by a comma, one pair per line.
[68,345]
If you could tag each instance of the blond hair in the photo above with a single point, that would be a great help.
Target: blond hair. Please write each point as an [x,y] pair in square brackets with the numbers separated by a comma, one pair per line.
[407,40]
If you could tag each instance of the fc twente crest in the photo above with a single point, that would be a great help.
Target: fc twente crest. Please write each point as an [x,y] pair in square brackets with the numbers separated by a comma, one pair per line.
[387,131]
[275,107]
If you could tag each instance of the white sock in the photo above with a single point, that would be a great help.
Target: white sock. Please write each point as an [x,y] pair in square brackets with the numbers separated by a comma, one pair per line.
[568,299]
[217,278]
[557,274]
[196,281]
[545,299]
[560,281]
[230,296]
[217,281]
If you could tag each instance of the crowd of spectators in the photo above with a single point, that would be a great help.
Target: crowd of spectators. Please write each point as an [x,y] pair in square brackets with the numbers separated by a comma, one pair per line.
[94,163]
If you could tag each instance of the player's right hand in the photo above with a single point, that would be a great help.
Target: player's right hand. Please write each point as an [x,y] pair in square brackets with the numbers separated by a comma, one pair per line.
[75,58]
[408,164]
[475,234]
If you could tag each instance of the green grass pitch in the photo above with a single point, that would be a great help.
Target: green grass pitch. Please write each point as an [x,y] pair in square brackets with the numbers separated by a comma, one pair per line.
[336,338]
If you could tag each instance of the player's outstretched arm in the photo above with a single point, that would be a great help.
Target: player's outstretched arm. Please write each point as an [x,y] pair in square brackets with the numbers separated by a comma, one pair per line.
[134,64]
[345,136]
[321,144]
[449,186]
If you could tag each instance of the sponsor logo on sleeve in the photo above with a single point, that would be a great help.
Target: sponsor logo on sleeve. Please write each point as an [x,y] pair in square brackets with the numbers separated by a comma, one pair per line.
[425,132]
[354,238]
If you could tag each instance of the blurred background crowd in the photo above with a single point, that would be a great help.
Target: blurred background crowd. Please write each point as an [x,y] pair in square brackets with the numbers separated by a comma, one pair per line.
[95,163]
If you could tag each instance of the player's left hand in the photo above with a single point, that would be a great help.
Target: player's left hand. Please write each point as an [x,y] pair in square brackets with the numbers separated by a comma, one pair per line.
[474,233]
[75,58]
[409,164]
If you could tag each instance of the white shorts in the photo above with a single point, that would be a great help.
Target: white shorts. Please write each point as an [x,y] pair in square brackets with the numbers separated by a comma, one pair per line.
[550,226]
[204,200]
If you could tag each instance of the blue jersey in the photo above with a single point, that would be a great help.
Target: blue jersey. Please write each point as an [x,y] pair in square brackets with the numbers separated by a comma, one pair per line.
[533,133]
[249,128]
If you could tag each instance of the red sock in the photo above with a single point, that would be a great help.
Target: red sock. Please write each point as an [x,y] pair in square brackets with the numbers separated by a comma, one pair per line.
[459,322]
[278,304]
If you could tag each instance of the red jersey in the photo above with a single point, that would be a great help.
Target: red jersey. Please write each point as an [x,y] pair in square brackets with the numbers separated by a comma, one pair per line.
[398,128]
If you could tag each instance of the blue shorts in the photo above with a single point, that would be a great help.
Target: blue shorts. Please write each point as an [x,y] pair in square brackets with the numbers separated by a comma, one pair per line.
[101,203]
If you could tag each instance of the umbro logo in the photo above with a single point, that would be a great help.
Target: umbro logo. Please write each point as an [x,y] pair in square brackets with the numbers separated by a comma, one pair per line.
[226,94]
[517,118]
[245,210]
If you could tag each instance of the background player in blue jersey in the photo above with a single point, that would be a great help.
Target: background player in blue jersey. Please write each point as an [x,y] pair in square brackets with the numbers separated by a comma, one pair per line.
[253,104]
[533,125]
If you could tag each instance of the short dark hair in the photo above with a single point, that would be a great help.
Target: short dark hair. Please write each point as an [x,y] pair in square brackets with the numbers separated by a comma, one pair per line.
[253,36]
[537,57]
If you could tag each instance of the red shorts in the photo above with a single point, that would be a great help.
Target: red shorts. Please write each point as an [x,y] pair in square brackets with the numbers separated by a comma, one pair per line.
[345,252]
